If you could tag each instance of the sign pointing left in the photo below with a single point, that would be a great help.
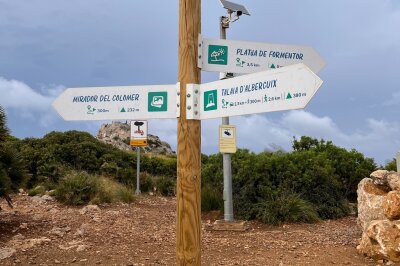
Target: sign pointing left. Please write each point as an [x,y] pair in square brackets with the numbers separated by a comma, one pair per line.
[125,102]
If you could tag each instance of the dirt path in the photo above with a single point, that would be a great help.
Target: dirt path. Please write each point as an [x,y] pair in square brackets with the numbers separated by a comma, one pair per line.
[44,232]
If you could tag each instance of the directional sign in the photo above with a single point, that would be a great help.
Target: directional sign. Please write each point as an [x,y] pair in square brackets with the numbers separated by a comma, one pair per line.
[138,133]
[285,88]
[250,57]
[125,102]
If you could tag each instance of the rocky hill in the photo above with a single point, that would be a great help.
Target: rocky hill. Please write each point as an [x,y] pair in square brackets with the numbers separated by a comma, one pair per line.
[118,135]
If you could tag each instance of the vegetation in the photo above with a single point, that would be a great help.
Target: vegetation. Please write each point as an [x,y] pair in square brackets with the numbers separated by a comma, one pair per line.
[79,188]
[12,170]
[315,181]
[392,165]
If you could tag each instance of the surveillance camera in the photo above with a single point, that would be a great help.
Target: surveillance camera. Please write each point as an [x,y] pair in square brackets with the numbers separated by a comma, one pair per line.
[239,13]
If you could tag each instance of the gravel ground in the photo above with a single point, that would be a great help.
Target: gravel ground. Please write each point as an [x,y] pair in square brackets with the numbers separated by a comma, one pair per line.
[43,232]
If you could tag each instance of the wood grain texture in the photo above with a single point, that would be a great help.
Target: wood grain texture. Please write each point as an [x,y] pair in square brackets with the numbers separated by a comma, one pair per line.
[188,224]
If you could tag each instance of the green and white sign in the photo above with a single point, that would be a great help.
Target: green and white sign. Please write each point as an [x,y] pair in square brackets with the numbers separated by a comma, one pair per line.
[113,103]
[157,101]
[249,57]
[210,100]
[218,55]
[286,88]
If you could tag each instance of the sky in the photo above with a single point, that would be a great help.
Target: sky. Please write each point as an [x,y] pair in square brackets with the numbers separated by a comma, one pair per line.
[47,46]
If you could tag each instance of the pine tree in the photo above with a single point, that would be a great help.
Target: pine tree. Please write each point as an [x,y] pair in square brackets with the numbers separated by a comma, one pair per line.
[3,127]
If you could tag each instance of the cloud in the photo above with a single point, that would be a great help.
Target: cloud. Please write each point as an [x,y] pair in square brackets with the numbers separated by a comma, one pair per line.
[20,99]
[394,100]
[17,95]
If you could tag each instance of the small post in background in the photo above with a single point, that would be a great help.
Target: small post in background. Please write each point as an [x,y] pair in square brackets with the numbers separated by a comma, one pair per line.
[138,139]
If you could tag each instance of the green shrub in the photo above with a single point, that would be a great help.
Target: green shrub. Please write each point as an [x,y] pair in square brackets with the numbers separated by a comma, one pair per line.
[12,166]
[391,165]
[146,182]
[5,183]
[38,190]
[77,188]
[166,186]
[211,199]
[286,207]
[110,191]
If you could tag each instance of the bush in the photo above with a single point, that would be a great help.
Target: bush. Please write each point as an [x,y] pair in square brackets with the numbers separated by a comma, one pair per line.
[12,167]
[110,191]
[5,183]
[211,199]
[316,180]
[38,190]
[146,182]
[391,165]
[166,186]
[77,188]
[286,207]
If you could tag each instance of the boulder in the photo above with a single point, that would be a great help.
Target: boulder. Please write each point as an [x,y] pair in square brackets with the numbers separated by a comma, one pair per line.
[6,252]
[391,205]
[370,199]
[393,180]
[381,240]
[89,209]
[379,177]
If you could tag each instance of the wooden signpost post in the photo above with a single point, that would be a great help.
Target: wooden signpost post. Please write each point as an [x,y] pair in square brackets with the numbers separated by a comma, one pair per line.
[188,218]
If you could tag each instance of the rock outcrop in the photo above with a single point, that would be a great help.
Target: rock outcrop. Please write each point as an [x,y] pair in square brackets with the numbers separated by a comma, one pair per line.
[118,135]
[379,215]
[370,200]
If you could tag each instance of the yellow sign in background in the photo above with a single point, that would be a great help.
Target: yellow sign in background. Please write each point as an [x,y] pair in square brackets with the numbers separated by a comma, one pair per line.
[227,139]
[138,133]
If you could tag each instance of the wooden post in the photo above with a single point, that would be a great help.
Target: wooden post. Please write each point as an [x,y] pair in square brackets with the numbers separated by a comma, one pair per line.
[188,220]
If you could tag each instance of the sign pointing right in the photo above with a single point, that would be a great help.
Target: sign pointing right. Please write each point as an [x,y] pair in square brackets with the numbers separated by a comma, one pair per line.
[249,57]
[286,88]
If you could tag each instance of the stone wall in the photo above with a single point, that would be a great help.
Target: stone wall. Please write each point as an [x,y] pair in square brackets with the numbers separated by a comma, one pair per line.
[379,215]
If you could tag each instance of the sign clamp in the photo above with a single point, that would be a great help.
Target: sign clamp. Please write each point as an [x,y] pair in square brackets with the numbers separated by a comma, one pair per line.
[193,101]
[200,52]
[178,99]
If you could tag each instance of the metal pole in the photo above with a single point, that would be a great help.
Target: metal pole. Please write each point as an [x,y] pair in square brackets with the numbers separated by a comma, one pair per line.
[138,171]
[226,157]
[398,161]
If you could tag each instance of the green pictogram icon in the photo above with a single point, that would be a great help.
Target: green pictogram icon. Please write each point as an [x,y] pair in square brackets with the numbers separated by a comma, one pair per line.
[273,66]
[289,96]
[90,110]
[157,101]
[218,54]
[210,100]
[123,110]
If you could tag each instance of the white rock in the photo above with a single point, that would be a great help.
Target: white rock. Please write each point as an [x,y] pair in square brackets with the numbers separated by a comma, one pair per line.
[393,179]
[18,237]
[60,231]
[90,209]
[37,200]
[79,232]
[370,200]
[6,252]
[81,248]
[379,177]
[47,198]
[23,226]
